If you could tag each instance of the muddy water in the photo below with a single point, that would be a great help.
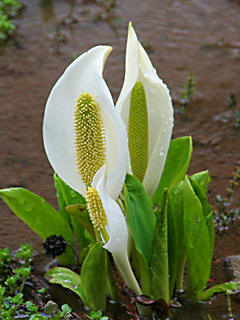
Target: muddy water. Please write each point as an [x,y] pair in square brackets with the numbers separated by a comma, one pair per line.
[179,35]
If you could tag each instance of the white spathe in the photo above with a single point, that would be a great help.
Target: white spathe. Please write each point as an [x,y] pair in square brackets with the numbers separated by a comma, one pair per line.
[84,75]
[138,67]
[117,230]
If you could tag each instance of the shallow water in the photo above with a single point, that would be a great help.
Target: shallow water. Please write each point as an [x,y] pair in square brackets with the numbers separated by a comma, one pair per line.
[179,35]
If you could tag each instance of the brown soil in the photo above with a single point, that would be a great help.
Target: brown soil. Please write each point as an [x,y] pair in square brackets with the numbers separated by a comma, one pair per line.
[179,35]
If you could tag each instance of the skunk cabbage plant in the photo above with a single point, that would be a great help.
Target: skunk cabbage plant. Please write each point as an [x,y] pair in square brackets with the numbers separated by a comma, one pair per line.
[122,189]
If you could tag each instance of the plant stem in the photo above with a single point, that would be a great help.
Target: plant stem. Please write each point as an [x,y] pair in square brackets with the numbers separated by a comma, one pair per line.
[22,286]
[230,315]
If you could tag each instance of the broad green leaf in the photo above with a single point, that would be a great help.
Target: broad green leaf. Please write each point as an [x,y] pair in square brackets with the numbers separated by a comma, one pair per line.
[158,264]
[197,241]
[176,208]
[40,216]
[80,213]
[93,277]
[66,278]
[202,178]
[199,189]
[140,216]
[67,196]
[220,288]
[176,165]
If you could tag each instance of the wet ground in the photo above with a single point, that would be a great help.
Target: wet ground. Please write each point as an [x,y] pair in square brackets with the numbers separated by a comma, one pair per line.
[179,35]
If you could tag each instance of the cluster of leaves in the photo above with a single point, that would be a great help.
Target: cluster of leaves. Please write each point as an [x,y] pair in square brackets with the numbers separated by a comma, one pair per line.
[14,272]
[8,10]
[97,315]
[224,213]
[173,229]
[187,92]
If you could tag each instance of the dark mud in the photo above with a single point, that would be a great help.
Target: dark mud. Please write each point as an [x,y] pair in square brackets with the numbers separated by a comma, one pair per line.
[179,35]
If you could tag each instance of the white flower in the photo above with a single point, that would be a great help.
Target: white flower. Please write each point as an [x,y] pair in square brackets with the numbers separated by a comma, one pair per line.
[155,122]
[81,128]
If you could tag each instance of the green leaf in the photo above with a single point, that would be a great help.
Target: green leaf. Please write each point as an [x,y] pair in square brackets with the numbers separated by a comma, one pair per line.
[176,165]
[199,189]
[40,216]
[158,264]
[80,213]
[66,197]
[220,288]
[202,178]
[93,277]
[197,241]
[176,208]
[140,216]
[68,279]
[65,194]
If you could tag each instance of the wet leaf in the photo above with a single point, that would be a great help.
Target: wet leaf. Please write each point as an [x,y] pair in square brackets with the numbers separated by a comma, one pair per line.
[176,165]
[196,237]
[199,190]
[66,278]
[202,178]
[193,218]
[158,263]
[175,204]
[140,216]
[93,277]
[40,216]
